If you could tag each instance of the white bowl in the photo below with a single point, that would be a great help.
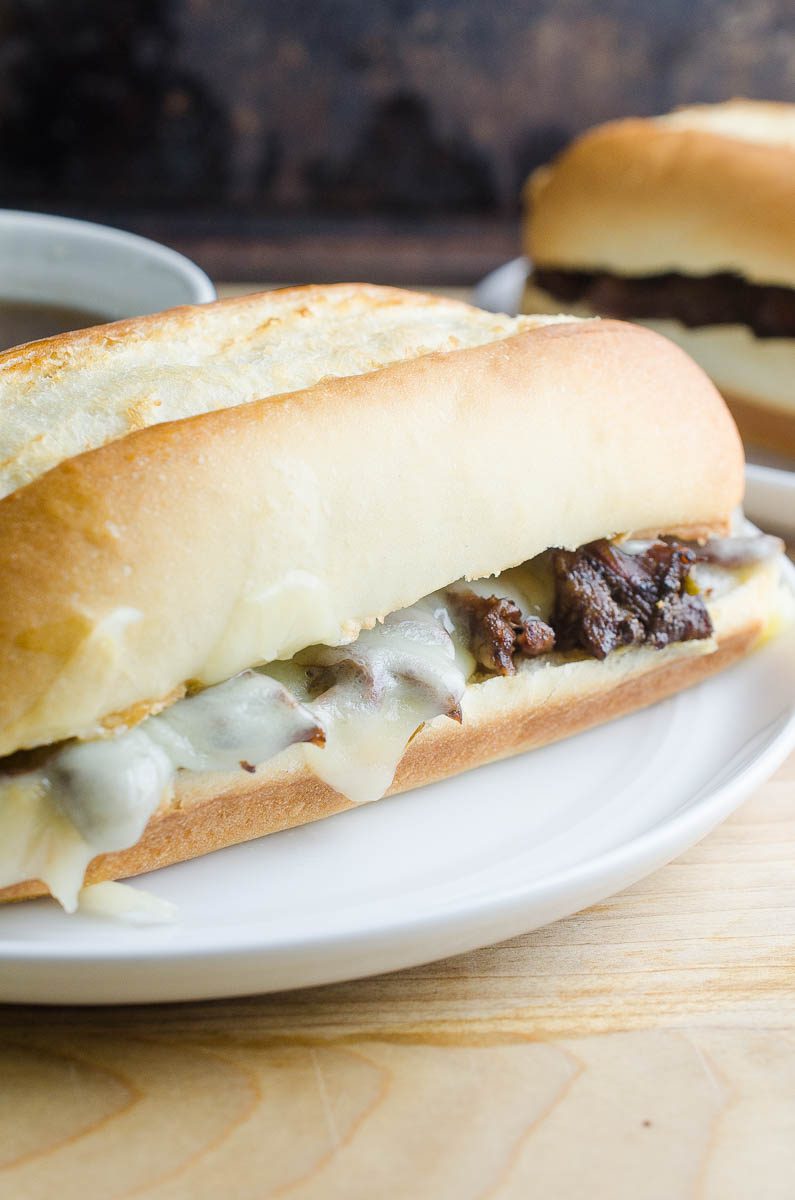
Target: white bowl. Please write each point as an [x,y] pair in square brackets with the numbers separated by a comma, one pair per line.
[78,264]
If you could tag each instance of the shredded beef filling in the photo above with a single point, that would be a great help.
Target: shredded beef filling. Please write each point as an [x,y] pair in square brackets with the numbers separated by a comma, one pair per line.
[606,598]
[498,631]
[721,299]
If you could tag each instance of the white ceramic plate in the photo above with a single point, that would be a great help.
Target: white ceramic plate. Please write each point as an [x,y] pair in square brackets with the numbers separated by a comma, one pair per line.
[435,872]
[770,483]
[770,495]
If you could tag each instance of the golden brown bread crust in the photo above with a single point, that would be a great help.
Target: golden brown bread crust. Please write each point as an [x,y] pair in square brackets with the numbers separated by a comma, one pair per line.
[195,548]
[755,376]
[259,806]
[65,395]
[642,196]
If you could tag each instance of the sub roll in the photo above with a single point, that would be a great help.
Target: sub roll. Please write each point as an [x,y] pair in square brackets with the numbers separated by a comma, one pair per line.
[267,559]
[684,223]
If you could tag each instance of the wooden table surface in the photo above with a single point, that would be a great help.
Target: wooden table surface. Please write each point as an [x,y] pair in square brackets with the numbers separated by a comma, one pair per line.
[643,1049]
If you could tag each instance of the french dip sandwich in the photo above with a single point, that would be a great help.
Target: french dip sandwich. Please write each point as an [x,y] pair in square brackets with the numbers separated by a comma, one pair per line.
[686,223]
[267,559]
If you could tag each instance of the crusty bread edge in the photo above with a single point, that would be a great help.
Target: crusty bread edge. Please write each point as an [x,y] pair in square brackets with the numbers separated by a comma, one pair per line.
[94,340]
[272,800]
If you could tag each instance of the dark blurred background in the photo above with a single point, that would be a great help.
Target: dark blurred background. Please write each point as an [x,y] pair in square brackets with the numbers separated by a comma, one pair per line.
[345,138]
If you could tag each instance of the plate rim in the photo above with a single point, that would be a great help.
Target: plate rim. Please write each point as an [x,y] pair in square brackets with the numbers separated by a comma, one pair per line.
[705,815]
[780,476]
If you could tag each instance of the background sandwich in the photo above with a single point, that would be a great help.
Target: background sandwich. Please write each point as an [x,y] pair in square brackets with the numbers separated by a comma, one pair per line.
[685,223]
[235,542]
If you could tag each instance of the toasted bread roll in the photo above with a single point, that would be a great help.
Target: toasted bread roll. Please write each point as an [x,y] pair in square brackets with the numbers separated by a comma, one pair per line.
[191,549]
[699,191]
[267,558]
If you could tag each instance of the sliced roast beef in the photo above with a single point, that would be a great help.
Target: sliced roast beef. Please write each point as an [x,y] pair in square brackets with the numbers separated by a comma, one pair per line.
[606,598]
[695,300]
[499,631]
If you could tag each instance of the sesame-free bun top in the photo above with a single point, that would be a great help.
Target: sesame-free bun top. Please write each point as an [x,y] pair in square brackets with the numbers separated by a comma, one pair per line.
[354,449]
[698,191]
[65,395]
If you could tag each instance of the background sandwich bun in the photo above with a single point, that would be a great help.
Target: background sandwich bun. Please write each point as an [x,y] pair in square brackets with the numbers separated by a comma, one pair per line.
[702,191]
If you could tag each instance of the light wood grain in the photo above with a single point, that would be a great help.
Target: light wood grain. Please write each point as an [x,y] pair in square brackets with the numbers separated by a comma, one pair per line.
[643,1049]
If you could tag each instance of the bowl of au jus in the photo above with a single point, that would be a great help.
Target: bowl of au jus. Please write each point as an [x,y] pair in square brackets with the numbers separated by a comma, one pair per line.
[60,274]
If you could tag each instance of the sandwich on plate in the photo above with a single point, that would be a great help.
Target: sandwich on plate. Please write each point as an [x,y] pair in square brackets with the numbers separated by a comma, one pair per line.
[686,223]
[267,559]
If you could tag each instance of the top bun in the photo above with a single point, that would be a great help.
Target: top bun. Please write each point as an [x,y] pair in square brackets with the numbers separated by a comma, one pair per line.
[190,549]
[699,191]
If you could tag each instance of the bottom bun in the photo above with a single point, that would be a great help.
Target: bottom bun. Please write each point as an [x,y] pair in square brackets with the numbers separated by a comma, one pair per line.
[756,376]
[546,700]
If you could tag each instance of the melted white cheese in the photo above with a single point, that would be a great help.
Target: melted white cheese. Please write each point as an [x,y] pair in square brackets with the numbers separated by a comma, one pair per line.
[93,797]
[38,841]
[364,701]
[120,902]
[388,682]
[713,581]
